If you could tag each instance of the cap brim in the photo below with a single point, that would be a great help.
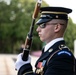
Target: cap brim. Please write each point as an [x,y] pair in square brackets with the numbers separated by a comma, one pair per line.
[40,21]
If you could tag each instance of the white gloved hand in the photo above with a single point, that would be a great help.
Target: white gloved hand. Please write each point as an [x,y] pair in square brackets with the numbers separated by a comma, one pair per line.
[20,62]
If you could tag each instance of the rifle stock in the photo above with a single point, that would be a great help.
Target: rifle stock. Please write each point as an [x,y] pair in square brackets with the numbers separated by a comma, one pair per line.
[28,40]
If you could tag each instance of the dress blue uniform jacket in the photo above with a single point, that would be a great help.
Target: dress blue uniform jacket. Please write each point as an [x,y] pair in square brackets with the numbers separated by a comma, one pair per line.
[57,60]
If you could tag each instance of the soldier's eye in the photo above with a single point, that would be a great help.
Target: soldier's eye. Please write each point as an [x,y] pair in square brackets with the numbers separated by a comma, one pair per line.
[42,25]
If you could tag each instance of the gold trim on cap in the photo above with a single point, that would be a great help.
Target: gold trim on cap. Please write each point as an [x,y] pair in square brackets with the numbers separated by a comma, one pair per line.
[54,12]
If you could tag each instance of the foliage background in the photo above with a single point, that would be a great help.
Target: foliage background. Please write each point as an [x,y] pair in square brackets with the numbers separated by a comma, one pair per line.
[15,21]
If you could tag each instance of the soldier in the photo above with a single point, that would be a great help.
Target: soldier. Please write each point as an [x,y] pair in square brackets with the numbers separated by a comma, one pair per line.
[56,57]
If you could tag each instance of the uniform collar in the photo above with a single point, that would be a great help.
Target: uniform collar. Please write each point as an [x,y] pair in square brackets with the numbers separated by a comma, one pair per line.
[51,43]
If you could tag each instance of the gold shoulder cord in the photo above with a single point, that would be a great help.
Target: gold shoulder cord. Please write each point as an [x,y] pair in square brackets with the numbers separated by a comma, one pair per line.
[28,72]
[60,48]
[52,56]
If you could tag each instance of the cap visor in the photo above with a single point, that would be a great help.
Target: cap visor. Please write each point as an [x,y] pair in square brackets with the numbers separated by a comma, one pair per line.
[40,21]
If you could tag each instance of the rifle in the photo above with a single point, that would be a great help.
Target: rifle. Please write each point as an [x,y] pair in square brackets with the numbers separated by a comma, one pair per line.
[28,40]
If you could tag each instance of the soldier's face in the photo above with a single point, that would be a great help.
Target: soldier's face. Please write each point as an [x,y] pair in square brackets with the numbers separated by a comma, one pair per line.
[46,32]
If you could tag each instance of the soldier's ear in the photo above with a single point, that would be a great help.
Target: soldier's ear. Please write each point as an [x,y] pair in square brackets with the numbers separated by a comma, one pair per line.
[57,27]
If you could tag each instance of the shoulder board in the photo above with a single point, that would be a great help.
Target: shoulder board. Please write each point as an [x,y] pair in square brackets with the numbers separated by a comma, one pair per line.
[62,46]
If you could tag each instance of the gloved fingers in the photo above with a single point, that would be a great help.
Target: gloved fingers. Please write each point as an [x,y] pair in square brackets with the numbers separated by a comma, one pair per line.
[20,62]
[19,58]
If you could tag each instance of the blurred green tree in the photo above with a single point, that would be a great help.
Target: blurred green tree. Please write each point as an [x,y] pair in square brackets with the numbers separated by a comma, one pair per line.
[15,21]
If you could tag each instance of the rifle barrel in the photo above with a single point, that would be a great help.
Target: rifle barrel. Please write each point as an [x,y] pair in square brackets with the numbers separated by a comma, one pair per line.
[28,40]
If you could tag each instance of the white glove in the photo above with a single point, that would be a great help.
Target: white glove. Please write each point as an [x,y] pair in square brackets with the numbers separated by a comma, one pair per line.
[20,62]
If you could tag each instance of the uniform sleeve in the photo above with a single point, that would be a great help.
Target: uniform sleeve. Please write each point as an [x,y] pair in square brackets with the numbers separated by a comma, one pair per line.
[26,70]
[61,64]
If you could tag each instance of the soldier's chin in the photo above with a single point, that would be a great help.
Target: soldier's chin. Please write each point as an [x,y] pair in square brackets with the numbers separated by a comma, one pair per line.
[42,39]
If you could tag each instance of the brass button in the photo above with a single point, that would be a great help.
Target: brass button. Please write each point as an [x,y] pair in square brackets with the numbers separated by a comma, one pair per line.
[50,50]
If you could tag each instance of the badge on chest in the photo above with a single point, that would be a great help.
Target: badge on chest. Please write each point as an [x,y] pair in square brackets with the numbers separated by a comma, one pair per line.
[40,67]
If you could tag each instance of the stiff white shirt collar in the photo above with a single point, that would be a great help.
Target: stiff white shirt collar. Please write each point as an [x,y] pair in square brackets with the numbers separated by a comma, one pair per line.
[47,46]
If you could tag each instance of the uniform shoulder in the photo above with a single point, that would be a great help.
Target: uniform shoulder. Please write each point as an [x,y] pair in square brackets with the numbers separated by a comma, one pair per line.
[64,50]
